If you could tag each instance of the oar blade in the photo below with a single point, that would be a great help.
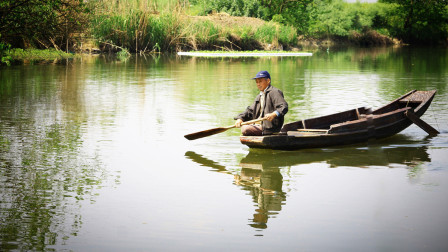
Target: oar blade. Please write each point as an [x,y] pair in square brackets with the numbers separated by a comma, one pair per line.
[205,133]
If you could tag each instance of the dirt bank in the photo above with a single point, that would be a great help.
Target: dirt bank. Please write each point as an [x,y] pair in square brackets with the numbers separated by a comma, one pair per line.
[225,20]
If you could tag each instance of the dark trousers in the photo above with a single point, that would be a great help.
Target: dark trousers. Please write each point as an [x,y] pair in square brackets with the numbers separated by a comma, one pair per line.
[252,130]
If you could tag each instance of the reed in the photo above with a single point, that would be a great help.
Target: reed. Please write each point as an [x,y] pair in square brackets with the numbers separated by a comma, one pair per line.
[138,31]
[123,6]
[142,26]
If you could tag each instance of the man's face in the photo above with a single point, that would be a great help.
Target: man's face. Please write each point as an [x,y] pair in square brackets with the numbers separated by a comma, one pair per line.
[262,83]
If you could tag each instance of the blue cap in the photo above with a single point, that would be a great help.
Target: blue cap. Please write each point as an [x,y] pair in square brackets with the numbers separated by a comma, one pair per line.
[262,74]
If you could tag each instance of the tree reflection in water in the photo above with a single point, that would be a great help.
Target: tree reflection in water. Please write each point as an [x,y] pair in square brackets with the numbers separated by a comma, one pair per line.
[46,171]
[43,179]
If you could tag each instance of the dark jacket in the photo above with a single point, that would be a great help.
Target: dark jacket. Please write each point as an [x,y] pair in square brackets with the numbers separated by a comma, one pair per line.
[274,102]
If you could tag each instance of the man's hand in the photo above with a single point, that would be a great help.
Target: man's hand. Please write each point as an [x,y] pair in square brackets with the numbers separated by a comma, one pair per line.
[238,123]
[271,116]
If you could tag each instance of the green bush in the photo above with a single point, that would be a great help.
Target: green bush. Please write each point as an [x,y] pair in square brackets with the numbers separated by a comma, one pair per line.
[42,23]
[418,21]
[331,18]
[5,57]
[206,32]
[287,35]
[275,33]
[266,33]
[247,8]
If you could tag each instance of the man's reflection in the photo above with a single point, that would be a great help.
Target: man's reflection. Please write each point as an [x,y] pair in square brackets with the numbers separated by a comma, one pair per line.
[265,187]
[263,183]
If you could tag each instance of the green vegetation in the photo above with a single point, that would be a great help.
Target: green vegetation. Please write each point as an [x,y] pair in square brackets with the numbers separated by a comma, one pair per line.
[408,20]
[140,30]
[5,56]
[248,8]
[8,55]
[171,25]
[418,21]
[42,23]
[36,55]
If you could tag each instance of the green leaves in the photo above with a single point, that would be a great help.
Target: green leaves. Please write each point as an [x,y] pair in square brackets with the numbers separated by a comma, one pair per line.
[419,21]
[5,58]
[41,23]
[247,8]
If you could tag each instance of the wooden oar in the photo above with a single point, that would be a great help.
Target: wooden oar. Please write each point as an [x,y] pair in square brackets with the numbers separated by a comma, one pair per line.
[422,124]
[209,132]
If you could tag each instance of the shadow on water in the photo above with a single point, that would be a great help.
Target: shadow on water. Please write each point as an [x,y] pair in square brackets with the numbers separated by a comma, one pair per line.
[261,175]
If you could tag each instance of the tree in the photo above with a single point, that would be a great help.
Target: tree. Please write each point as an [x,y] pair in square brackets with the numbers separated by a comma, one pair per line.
[248,8]
[328,17]
[291,12]
[424,21]
[46,23]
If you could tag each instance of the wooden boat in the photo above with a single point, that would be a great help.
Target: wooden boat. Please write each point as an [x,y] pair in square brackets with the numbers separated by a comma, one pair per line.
[349,127]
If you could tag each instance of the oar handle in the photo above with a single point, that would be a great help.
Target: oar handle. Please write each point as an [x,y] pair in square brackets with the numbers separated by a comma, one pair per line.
[254,121]
[249,122]
[214,131]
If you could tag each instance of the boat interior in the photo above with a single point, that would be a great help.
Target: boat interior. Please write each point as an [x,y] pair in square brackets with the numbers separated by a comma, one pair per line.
[359,118]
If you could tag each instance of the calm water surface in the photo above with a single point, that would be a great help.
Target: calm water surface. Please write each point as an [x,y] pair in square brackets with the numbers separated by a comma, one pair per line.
[92,156]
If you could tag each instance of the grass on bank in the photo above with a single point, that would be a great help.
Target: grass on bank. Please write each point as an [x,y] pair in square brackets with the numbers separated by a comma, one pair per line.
[36,54]
[10,56]
[142,31]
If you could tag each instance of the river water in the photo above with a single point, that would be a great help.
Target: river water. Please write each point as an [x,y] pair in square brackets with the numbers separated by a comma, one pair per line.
[93,158]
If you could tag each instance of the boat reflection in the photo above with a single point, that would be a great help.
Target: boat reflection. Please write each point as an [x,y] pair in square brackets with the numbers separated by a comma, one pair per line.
[260,169]
[401,152]
[362,158]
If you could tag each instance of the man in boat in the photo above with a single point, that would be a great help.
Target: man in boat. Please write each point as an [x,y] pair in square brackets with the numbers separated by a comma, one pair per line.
[269,104]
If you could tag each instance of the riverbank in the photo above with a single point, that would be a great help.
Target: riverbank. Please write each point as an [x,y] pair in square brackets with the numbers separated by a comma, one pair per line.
[218,31]
[162,33]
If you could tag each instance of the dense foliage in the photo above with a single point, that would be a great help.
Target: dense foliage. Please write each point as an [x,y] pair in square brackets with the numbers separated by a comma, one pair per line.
[282,11]
[418,20]
[410,20]
[248,8]
[160,25]
[41,23]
